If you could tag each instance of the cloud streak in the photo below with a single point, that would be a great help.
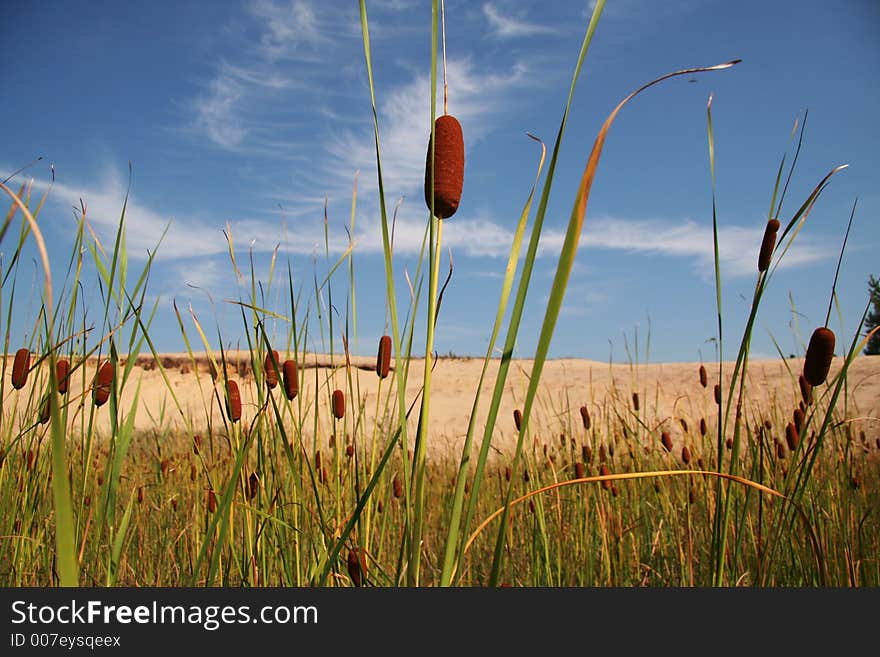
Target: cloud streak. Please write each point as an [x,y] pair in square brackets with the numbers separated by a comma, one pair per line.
[508,27]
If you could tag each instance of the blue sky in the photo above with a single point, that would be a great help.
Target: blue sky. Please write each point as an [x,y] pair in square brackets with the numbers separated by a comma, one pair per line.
[251,113]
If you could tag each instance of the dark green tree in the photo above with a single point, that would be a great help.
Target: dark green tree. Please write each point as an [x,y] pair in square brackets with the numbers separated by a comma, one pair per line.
[873,319]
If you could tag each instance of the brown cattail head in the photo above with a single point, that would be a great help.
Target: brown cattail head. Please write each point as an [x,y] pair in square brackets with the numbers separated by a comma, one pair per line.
[792,436]
[798,417]
[62,371]
[767,244]
[666,439]
[338,404]
[233,401]
[587,453]
[31,456]
[684,424]
[20,367]
[585,417]
[780,450]
[448,167]
[253,485]
[718,394]
[45,410]
[383,358]
[806,389]
[703,427]
[704,379]
[357,566]
[636,401]
[192,472]
[211,502]
[269,366]
[291,380]
[602,453]
[197,443]
[613,490]
[819,354]
[517,419]
[729,443]
[103,384]
[507,473]
[578,470]
[397,487]
[685,455]
[140,494]
[349,450]
[604,471]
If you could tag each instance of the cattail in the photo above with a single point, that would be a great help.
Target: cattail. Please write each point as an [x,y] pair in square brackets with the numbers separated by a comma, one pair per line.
[585,417]
[729,443]
[768,425]
[792,436]
[685,455]
[718,394]
[613,490]
[587,453]
[526,476]
[448,169]
[62,370]
[269,366]
[819,354]
[349,450]
[806,389]
[30,460]
[780,450]
[20,367]
[602,453]
[684,424]
[211,501]
[383,358]
[174,503]
[578,470]
[397,487]
[517,422]
[636,401]
[604,471]
[253,485]
[192,472]
[531,506]
[318,460]
[233,401]
[798,417]
[291,381]
[140,494]
[700,464]
[45,410]
[380,507]
[507,473]
[357,565]
[197,443]
[562,440]
[691,496]
[103,384]
[611,450]
[666,439]
[338,404]
[767,244]
[100,479]
[703,427]
[163,466]
[704,379]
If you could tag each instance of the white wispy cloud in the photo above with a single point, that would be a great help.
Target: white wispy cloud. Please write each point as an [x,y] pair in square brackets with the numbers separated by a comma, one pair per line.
[505,26]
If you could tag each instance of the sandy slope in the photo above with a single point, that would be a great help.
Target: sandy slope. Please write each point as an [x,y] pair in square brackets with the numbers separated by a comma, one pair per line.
[667,392]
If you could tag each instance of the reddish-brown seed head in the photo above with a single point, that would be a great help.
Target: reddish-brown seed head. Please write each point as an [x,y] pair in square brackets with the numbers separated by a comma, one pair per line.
[684,424]
[338,404]
[517,419]
[729,443]
[604,471]
[666,440]
[397,487]
[269,366]
[718,394]
[253,485]
[448,167]
[819,354]
[349,450]
[45,410]
[703,427]
[636,401]
[578,470]
[20,367]
[103,384]
[806,389]
[357,566]
[685,455]
[211,502]
[767,244]
[62,371]
[233,401]
[291,380]
[780,450]
[585,417]
[587,453]
[798,417]
[383,358]
[704,379]
[507,473]
[792,436]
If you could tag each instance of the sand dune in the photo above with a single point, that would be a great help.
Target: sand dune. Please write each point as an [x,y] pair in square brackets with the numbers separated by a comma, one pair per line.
[667,392]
